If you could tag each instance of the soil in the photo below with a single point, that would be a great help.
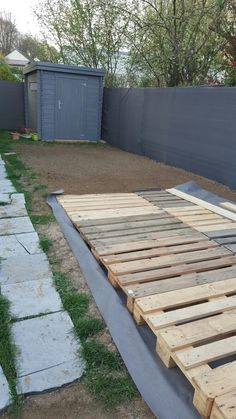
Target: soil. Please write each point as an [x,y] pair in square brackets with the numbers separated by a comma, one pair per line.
[102,169]
[91,169]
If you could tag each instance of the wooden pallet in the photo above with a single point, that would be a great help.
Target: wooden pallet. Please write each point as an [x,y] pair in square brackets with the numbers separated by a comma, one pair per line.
[182,284]
[206,218]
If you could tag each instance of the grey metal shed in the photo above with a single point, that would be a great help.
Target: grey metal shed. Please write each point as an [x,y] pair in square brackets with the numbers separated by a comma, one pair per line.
[64,102]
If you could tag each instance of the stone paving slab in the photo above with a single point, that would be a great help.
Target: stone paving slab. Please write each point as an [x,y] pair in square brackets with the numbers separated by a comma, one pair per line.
[16,208]
[3,173]
[19,244]
[9,246]
[15,226]
[6,186]
[32,298]
[23,268]
[48,353]
[30,241]
[5,198]
[4,391]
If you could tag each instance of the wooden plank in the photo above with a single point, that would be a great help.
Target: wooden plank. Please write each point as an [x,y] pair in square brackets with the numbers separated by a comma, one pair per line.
[118,220]
[224,406]
[185,281]
[161,251]
[200,217]
[149,244]
[209,223]
[75,208]
[168,260]
[161,320]
[132,231]
[213,384]
[198,332]
[162,198]
[153,192]
[193,357]
[174,299]
[184,213]
[188,209]
[65,198]
[202,203]
[228,205]
[204,229]
[173,271]
[109,213]
[101,199]
[143,237]
[129,225]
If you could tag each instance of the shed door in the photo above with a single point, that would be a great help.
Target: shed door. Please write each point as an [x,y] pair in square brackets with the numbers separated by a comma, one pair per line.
[71,108]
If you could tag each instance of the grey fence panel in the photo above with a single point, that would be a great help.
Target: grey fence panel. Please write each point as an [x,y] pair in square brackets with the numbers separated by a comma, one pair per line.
[191,128]
[11,105]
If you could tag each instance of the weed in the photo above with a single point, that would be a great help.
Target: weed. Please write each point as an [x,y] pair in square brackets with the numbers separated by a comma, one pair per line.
[45,244]
[97,356]
[88,326]
[38,187]
[42,218]
[112,389]
[75,303]
[8,351]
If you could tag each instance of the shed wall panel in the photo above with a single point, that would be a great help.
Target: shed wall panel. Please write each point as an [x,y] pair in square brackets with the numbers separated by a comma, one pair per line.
[92,108]
[48,103]
[32,121]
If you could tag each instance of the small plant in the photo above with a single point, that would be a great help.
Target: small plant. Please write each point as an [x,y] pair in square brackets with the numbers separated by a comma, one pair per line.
[45,244]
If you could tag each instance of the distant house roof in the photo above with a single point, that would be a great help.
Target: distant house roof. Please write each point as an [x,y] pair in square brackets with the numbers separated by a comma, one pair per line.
[17,59]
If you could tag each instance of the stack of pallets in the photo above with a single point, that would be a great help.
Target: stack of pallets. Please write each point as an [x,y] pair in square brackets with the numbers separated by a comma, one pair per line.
[157,248]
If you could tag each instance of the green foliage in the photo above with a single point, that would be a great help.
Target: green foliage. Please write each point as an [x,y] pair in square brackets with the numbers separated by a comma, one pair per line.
[88,326]
[174,44]
[42,218]
[75,303]
[45,244]
[8,350]
[111,389]
[105,377]
[6,71]
[97,356]
[90,33]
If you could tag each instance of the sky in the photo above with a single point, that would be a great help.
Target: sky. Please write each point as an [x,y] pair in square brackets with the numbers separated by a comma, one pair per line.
[21,11]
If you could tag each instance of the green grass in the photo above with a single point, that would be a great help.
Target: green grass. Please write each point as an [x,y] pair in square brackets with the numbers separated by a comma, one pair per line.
[45,243]
[8,351]
[97,356]
[42,218]
[112,389]
[106,376]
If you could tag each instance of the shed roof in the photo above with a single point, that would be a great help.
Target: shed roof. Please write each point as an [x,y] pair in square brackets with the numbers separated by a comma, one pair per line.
[16,58]
[63,68]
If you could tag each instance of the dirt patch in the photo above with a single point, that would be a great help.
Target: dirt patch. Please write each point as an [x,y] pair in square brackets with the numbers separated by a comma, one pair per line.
[103,169]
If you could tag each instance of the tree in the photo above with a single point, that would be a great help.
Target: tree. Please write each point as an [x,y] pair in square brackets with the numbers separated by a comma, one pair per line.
[37,49]
[8,33]
[173,43]
[226,29]
[5,71]
[87,32]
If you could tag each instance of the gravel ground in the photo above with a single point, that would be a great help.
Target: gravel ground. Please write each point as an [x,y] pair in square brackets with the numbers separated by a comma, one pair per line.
[102,169]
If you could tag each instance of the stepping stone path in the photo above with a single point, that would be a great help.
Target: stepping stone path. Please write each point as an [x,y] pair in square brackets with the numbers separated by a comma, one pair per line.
[47,351]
